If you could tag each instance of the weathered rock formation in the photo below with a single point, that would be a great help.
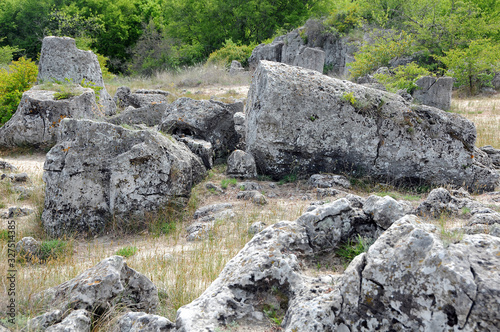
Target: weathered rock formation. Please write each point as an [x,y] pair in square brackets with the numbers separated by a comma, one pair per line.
[208,120]
[308,47]
[235,68]
[435,92]
[408,280]
[141,98]
[299,121]
[99,171]
[493,153]
[93,292]
[61,60]
[241,164]
[39,114]
[149,115]
[140,321]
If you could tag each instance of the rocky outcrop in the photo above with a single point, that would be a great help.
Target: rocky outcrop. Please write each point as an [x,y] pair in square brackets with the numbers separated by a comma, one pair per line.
[149,115]
[409,279]
[493,153]
[435,92]
[98,172]
[208,120]
[299,121]
[239,127]
[309,47]
[39,115]
[199,147]
[235,68]
[241,164]
[60,60]
[268,52]
[96,290]
[140,98]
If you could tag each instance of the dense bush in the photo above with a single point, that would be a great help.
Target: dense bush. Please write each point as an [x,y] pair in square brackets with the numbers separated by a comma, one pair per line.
[404,77]
[229,52]
[19,77]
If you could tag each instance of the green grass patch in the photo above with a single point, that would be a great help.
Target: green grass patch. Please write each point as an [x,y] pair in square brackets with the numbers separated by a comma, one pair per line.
[127,251]
[54,249]
[226,182]
[4,235]
[290,178]
[353,248]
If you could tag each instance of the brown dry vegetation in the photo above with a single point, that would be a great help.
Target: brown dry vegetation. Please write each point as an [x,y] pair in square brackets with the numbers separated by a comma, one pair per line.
[183,270]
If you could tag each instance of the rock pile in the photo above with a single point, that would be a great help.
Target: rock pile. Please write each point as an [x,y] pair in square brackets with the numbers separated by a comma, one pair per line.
[299,121]
[74,304]
[409,278]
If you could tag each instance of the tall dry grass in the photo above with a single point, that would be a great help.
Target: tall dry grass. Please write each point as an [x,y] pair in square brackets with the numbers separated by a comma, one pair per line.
[199,76]
[485,113]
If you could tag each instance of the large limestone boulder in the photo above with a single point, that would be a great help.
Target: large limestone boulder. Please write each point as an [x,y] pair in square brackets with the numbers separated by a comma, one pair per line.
[39,115]
[435,92]
[299,121]
[149,115]
[208,120]
[60,59]
[98,172]
[111,283]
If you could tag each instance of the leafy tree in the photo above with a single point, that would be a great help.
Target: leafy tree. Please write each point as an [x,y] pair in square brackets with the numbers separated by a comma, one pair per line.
[475,66]
[379,52]
[20,77]
[153,52]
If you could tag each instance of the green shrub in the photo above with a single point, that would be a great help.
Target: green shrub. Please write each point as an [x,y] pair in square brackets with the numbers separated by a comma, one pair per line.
[127,251]
[349,97]
[345,20]
[404,78]
[378,53]
[19,77]
[231,51]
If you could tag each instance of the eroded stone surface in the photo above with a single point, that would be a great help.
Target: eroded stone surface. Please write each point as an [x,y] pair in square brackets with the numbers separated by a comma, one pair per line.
[61,60]
[109,283]
[98,171]
[296,121]
[39,116]
[142,322]
[208,120]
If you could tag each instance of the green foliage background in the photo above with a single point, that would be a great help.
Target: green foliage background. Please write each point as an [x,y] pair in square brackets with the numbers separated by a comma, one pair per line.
[146,36]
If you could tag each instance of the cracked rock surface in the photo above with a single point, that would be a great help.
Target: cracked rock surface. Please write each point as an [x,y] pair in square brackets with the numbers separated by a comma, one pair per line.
[299,121]
[39,115]
[99,170]
[409,279]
